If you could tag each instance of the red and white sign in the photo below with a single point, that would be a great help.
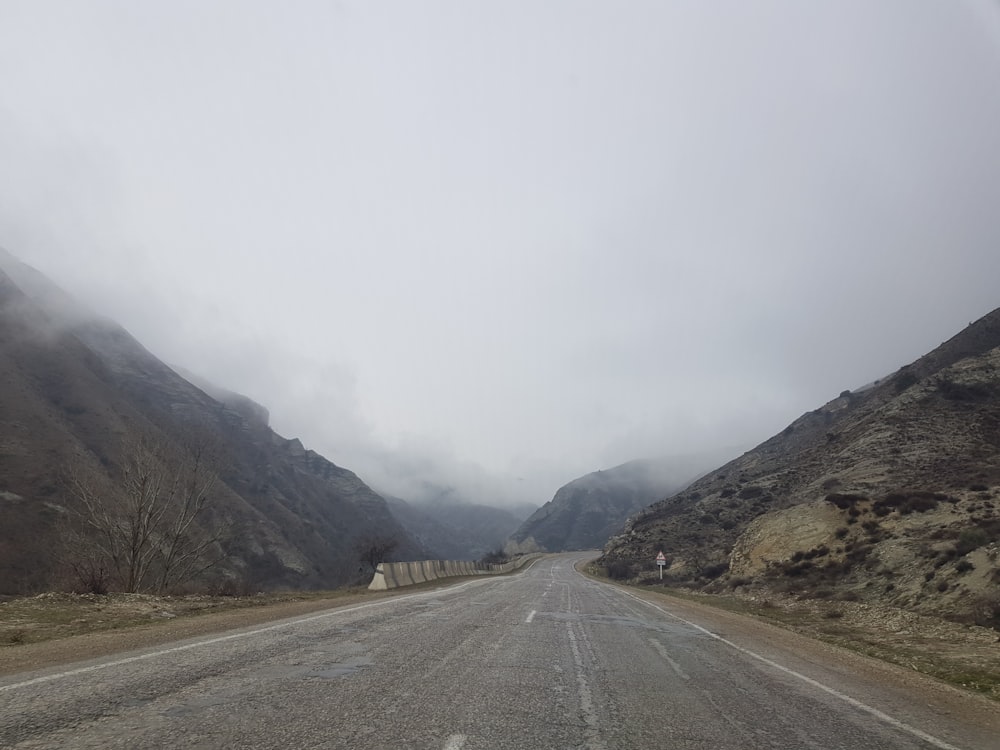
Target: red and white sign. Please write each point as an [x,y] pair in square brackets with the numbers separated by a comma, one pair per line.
[661,559]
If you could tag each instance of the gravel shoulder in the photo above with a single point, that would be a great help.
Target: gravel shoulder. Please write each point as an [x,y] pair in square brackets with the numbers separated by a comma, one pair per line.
[55,629]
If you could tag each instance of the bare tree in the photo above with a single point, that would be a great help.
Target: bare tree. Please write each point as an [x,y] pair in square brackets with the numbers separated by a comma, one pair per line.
[375,549]
[86,563]
[144,526]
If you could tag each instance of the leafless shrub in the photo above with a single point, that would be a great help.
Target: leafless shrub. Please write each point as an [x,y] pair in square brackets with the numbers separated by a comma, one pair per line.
[373,550]
[142,528]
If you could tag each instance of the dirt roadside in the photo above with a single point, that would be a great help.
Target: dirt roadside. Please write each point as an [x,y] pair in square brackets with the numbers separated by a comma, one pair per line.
[55,629]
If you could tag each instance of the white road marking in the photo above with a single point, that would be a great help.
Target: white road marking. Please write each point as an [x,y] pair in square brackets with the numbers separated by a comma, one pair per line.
[237,636]
[531,616]
[455,742]
[892,721]
[586,699]
[661,649]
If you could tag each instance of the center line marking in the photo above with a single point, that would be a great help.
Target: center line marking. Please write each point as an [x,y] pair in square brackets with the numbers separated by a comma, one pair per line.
[531,616]
[673,665]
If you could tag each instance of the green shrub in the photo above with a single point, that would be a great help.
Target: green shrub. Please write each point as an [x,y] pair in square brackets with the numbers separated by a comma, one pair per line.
[845,502]
[908,502]
[714,571]
[618,570]
[971,539]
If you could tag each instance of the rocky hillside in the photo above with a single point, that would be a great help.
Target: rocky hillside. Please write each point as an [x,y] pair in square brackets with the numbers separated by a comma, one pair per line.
[586,512]
[77,389]
[891,494]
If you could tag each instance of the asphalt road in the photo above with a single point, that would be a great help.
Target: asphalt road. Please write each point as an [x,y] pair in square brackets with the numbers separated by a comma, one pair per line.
[544,659]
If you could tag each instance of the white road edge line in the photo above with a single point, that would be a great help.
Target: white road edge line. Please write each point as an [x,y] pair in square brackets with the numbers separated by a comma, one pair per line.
[237,636]
[808,680]
[455,742]
[531,616]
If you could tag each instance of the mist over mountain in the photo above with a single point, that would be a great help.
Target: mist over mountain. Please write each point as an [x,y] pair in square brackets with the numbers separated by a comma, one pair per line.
[77,388]
[584,513]
[453,530]
[889,494]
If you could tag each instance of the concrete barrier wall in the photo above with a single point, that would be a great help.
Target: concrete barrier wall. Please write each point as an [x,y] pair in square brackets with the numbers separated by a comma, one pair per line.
[395,575]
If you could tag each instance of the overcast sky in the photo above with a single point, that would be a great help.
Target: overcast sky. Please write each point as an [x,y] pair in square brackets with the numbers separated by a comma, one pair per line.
[498,245]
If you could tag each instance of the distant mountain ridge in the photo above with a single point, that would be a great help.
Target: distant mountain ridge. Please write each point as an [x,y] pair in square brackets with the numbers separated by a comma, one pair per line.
[584,513]
[891,493]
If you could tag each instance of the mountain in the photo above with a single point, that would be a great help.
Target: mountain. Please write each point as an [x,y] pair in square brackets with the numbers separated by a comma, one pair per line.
[77,389]
[888,494]
[455,530]
[588,510]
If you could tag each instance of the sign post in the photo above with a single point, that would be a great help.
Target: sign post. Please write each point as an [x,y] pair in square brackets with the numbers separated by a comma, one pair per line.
[661,560]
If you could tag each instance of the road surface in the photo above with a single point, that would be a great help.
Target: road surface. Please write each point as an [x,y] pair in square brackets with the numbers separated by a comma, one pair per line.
[543,659]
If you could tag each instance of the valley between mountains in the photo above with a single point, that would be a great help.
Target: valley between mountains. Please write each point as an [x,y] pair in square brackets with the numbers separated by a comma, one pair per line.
[878,512]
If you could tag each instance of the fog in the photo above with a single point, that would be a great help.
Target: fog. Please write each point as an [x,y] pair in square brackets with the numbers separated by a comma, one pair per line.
[490,247]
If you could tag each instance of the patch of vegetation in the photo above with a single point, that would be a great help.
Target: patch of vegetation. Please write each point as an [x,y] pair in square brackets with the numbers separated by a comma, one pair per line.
[748,493]
[968,392]
[844,501]
[904,379]
[714,571]
[971,539]
[494,557]
[619,570]
[908,502]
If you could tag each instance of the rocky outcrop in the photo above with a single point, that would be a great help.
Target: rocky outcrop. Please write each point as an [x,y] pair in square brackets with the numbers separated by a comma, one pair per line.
[775,537]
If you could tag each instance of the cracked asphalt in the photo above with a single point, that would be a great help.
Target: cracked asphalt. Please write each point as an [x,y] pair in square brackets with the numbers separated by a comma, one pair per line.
[544,659]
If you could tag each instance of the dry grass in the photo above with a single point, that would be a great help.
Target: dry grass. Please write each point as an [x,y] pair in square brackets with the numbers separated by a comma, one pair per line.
[55,615]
